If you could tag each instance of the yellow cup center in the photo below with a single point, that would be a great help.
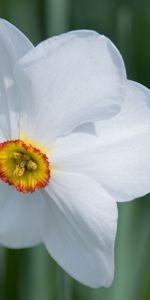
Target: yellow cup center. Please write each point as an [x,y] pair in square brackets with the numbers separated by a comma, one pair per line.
[23,166]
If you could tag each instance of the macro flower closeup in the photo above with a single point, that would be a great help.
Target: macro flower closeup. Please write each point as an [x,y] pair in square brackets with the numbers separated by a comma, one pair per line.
[60,182]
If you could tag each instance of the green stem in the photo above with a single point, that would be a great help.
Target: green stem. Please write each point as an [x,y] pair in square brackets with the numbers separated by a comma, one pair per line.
[65,286]
[57,16]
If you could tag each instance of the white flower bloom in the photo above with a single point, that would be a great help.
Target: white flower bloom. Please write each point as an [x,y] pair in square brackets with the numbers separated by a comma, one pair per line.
[75,177]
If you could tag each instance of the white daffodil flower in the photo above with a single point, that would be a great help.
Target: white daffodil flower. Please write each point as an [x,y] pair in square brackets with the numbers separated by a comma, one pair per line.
[59,186]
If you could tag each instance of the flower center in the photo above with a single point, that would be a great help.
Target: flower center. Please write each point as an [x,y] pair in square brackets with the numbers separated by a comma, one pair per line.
[23,166]
[23,163]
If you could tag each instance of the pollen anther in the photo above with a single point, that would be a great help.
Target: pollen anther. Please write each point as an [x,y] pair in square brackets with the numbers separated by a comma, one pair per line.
[26,157]
[31,165]
[17,156]
[19,171]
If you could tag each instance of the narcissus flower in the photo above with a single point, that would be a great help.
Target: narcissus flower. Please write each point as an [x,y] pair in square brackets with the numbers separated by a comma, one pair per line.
[59,185]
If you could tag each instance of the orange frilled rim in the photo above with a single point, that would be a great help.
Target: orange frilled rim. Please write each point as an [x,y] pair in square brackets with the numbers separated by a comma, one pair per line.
[23,166]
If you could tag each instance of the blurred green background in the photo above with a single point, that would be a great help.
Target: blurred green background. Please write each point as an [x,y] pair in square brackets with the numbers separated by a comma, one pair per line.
[30,274]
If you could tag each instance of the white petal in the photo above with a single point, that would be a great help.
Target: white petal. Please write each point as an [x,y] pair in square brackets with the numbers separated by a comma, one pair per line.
[66,81]
[119,159]
[79,229]
[86,128]
[13,45]
[127,167]
[20,215]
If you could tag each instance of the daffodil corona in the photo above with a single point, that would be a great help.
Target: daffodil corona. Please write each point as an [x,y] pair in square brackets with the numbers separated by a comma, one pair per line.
[23,166]
[74,139]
